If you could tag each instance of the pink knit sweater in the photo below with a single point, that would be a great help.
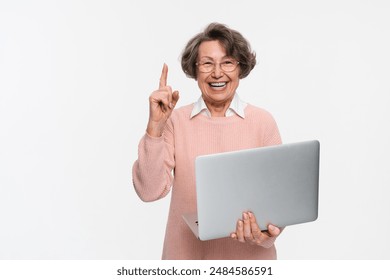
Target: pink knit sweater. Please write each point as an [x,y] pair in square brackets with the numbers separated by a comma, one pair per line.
[184,139]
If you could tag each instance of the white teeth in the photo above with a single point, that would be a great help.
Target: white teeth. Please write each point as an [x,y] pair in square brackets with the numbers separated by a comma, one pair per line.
[217,84]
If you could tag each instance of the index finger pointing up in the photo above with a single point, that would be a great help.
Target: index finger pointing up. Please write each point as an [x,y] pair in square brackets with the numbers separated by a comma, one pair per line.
[164,76]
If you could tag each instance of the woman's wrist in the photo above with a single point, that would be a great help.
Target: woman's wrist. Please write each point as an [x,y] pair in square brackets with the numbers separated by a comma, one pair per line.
[154,129]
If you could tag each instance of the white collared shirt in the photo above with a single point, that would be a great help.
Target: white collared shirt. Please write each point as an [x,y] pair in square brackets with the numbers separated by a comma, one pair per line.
[237,106]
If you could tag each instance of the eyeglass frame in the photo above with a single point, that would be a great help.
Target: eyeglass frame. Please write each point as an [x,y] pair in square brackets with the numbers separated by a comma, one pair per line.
[215,65]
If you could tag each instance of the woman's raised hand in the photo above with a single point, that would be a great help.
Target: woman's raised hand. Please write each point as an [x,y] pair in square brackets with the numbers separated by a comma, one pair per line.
[161,104]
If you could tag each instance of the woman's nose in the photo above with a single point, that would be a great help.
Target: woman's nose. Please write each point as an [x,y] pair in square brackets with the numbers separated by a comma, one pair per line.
[217,72]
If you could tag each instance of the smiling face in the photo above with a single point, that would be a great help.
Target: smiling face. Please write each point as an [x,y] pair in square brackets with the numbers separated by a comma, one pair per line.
[217,87]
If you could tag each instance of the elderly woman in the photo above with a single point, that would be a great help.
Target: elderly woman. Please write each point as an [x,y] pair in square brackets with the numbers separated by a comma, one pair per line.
[218,122]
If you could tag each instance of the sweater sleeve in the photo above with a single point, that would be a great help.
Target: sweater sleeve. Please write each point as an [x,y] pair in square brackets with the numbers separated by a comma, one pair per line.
[271,132]
[152,171]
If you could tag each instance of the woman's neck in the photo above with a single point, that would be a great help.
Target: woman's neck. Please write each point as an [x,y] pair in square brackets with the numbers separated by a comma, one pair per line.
[218,109]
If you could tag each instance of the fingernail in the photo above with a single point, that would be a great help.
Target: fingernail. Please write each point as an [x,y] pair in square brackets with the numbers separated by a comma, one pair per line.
[171,105]
[271,227]
[250,214]
[245,216]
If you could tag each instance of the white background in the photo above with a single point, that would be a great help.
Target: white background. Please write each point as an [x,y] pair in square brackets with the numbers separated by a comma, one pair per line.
[75,77]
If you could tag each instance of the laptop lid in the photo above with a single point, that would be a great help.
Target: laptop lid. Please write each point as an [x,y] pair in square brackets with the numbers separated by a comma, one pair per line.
[279,184]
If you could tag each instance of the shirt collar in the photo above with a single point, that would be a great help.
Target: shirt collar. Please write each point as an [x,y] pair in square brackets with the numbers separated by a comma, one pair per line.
[237,107]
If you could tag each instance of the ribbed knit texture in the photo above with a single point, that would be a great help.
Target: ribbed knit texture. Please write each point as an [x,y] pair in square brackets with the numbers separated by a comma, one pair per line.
[183,140]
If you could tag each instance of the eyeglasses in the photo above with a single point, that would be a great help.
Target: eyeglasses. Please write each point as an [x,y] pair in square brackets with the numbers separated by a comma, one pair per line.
[209,66]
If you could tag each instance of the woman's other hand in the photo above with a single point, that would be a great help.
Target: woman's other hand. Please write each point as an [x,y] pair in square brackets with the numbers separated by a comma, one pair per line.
[248,231]
[161,104]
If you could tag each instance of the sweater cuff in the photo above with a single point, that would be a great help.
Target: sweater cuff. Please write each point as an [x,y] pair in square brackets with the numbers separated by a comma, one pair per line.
[153,139]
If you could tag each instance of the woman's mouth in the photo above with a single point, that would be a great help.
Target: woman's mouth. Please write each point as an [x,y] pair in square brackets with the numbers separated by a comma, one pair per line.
[218,85]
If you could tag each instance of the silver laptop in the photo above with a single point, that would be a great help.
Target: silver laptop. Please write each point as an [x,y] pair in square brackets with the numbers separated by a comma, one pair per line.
[279,184]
